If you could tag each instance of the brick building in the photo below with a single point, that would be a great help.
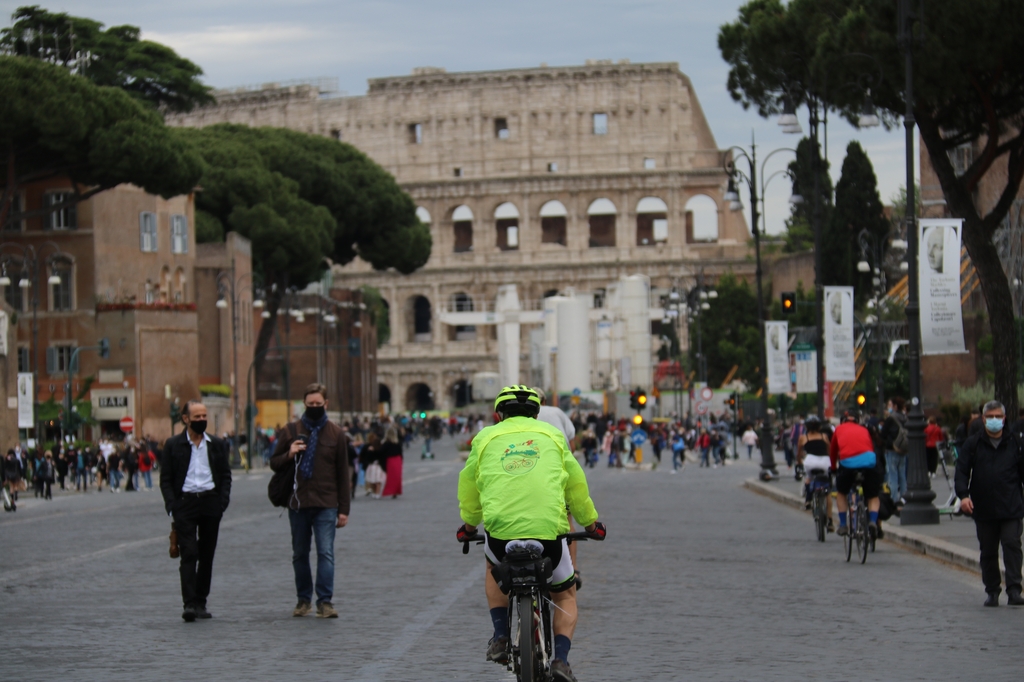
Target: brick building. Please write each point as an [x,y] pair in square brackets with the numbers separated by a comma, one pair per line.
[552,179]
[120,265]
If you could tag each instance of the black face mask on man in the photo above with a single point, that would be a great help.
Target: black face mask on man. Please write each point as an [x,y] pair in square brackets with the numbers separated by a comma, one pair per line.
[198,426]
[315,412]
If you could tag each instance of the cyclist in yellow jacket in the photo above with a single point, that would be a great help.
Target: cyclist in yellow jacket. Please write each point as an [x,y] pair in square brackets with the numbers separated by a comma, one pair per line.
[518,480]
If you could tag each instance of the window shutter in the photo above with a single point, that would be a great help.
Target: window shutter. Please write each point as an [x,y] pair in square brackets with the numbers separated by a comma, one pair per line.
[51,360]
[142,232]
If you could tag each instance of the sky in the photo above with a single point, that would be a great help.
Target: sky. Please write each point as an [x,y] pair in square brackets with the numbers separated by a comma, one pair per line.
[247,42]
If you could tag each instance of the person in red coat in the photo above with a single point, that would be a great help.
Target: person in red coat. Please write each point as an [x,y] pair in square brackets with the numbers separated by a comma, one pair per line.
[391,453]
[932,438]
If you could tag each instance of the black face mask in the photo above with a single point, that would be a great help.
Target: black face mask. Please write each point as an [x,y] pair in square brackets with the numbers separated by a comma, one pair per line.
[198,426]
[315,412]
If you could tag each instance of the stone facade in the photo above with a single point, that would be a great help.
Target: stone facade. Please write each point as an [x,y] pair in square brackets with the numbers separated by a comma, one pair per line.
[552,179]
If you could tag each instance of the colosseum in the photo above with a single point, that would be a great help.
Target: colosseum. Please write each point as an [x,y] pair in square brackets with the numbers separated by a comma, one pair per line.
[539,182]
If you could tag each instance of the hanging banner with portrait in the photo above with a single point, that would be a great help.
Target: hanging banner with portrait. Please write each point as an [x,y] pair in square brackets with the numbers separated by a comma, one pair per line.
[938,272]
[840,362]
[776,341]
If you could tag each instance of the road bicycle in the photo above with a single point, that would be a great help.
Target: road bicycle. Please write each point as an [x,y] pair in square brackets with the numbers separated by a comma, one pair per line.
[821,488]
[857,512]
[524,575]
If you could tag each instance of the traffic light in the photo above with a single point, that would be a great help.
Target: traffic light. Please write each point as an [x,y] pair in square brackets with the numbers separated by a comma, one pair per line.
[788,302]
[862,399]
[634,400]
[104,348]
[641,399]
[638,420]
[731,402]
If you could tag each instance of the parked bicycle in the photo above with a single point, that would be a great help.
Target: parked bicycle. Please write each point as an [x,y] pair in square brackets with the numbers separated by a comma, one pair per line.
[858,519]
[524,575]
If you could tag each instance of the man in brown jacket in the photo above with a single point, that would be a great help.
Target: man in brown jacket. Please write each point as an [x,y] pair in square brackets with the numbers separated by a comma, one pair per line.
[320,502]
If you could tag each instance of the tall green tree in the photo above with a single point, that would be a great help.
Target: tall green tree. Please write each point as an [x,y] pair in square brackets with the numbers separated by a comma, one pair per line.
[968,94]
[54,124]
[116,57]
[799,227]
[858,207]
[730,333]
[302,200]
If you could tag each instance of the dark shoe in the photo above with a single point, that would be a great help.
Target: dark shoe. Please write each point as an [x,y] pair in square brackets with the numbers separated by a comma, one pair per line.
[993,600]
[881,533]
[1015,599]
[842,531]
[872,532]
[561,672]
[497,650]
[189,614]
[302,608]
[830,527]
[325,609]
[201,612]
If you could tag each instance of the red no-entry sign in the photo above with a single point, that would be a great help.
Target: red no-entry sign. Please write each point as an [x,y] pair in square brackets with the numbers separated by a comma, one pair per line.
[127,424]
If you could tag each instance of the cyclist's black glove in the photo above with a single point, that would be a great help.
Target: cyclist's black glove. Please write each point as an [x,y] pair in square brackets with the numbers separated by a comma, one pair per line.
[599,531]
[465,535]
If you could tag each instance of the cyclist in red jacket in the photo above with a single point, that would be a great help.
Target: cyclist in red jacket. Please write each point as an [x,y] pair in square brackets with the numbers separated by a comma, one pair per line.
[851,452]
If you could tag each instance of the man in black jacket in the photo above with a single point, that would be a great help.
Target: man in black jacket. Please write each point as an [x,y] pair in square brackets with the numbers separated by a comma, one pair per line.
[989,476]
[195,479]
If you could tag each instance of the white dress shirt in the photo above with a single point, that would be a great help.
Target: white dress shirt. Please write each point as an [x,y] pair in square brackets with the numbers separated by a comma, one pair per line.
[199,477]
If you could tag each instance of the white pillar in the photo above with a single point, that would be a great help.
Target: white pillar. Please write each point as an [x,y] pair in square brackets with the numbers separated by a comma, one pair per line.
[508,335]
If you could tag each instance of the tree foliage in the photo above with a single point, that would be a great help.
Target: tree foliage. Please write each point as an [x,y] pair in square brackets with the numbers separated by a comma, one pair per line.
[730,333]
[116,57]
[54,124]
[968,92]
[858,207]
[799,231]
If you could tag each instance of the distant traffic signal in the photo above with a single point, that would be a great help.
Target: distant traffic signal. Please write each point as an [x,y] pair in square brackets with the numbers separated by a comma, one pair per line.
[641,398]
[788,302]
[861,399]
[634,400]
[731,402]
[638,420]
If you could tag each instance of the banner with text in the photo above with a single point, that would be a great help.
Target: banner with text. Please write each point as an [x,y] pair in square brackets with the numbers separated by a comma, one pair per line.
[26,401]
[776,340]
[938,271]
[840,364]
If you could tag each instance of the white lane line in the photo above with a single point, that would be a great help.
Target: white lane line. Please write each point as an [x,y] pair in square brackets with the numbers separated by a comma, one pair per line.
[377,669]
[37,569]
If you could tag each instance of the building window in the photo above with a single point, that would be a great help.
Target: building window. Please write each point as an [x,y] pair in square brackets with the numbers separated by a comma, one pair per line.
[147,232]
[336,133]
[415,133]
[58,359]
[600,124]
[179,234]
[64,218]
[13,224]
[462,225]
[553,167]
[150,293]
[651,221]
[601,216]
[552,223]
[13,293]
[61,294]
[24,359]
[457,171]
[501,130]
[649,164]
[506,218]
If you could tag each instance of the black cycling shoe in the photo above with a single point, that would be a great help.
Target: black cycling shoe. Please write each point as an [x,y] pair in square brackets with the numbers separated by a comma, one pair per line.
[872,532]
[561,672]
[497,650]
[830,527]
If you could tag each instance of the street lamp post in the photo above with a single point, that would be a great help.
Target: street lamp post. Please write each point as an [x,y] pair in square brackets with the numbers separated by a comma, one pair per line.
[229,285]
[768,468]
[872,246]
[918,509]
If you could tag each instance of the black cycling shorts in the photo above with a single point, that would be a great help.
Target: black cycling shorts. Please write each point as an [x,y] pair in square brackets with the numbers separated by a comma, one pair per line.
[563,573]
[872,480]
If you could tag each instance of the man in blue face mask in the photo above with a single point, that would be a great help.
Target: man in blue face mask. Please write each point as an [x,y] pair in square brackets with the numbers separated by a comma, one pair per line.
[989,476]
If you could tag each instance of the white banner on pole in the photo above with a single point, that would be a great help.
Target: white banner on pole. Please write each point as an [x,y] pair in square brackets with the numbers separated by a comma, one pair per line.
[938,272]
[840,363]
[776,340]
[26,401]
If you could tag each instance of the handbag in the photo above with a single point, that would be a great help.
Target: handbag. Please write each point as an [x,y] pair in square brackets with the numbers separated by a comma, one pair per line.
[282,483]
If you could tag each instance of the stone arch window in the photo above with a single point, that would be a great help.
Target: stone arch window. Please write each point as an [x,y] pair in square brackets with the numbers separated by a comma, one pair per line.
[419,319]
[601,215]
[462,225]
[419,398]
[552,223]
[461,303]
[506,221]
[462,393]
[701,219]
[651,222]
[62,294]
[423,215]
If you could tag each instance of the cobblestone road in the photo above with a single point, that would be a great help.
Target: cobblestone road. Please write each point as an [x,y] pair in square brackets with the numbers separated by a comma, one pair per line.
[699,579]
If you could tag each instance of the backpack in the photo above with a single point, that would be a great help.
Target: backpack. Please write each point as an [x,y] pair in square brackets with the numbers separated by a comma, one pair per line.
[283,483]
[900,443]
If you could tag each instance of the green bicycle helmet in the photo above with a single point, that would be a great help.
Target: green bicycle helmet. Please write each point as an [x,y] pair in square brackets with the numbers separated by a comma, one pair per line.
[517,401]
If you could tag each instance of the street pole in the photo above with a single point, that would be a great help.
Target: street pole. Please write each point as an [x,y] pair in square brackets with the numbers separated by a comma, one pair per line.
[918,509]
[819,335]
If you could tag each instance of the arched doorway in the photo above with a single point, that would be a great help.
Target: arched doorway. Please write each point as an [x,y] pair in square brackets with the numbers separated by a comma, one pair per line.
[419,398]
[461,393]
[384,395]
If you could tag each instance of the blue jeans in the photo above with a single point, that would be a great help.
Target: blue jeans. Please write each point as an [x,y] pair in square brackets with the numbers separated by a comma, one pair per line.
[307,523]
[896,474]
[677,457]
[148,475]
[115,478]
